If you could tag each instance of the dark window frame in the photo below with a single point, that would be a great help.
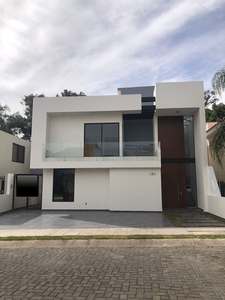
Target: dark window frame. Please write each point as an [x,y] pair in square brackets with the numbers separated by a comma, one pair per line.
[18,153]
[104,123]
[62,201]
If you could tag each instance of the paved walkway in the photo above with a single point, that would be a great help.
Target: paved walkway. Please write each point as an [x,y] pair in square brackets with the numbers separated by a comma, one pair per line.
[116,270]
[58,223]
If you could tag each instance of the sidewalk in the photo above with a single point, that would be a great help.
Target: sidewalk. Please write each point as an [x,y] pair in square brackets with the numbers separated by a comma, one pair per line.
[113,231]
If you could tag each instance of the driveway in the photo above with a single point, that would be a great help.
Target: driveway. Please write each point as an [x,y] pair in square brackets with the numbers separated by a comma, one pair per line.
[32,219]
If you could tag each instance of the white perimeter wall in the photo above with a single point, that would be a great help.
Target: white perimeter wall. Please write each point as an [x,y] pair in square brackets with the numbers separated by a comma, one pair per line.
[216,203]
[201,161]
[113,189]
[6,199]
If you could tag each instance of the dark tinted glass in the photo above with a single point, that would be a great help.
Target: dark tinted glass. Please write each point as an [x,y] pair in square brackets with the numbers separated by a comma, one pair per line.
[92,140]
[92,133]
[101,139]
[63,185]
[18,153]
[21,151]
[14,152]
[110,139]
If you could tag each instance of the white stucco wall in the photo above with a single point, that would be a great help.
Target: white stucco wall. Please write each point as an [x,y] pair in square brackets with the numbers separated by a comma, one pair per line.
[47,192]
[173,95]
[91,107]
[70,129]
[216,205]
[201,161]
[114,189]
[92,189]
[6,199]
[135,190]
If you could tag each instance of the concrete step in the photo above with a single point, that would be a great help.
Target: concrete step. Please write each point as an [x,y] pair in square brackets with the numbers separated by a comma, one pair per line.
[201,225]
[198,220]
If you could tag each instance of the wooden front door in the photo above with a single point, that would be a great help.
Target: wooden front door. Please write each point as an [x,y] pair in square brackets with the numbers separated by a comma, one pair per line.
[173,172]
[173,185]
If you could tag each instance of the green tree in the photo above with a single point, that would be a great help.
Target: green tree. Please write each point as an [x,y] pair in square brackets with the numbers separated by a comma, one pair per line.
[25,124]
[16,124]
[217,144]
[67,93]
[4,110]
[210,98]
[216,114]
[218,81]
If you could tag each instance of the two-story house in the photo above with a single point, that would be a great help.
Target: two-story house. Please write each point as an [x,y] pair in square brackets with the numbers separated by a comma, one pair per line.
[141,150]
[14,159]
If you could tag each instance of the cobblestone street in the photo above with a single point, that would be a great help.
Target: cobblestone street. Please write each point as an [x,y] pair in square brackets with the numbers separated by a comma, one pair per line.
[99,273]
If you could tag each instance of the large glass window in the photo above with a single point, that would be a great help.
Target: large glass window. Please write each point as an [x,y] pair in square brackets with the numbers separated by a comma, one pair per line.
[138,136]
[101,139]
[63,185]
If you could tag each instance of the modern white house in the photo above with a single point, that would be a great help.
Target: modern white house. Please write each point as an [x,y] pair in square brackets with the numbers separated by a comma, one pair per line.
[14,159]
[141,150]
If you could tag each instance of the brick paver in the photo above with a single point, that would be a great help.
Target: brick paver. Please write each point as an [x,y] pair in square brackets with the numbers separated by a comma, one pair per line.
[100,273]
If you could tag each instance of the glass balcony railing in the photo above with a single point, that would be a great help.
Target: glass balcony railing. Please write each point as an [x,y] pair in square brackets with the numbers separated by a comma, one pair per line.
[107,151]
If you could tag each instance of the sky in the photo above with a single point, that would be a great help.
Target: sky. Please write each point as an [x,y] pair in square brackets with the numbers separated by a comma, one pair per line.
[97,46]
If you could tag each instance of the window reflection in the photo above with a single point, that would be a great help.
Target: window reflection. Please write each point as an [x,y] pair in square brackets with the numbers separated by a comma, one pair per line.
[101,139]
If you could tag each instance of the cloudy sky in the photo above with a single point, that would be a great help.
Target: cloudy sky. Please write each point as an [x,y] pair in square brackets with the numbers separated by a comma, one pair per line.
[96,46]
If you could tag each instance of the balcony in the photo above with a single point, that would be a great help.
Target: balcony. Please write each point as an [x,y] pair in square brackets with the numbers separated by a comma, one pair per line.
[107,151]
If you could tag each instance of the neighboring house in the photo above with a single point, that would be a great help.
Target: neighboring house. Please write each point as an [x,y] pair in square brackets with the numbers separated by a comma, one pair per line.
[141,150]
[14,159]
[14,156]
[211,129]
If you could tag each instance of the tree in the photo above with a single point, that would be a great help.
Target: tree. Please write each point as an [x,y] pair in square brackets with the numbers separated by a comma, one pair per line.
[218,81]
[4,117]
[216,114]
[67,93]
[217,144]
[210,98]
[17,125]
[26,123]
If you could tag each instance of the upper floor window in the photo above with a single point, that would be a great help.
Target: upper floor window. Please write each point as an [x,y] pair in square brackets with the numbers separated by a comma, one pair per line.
[18,153]
[101,139]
